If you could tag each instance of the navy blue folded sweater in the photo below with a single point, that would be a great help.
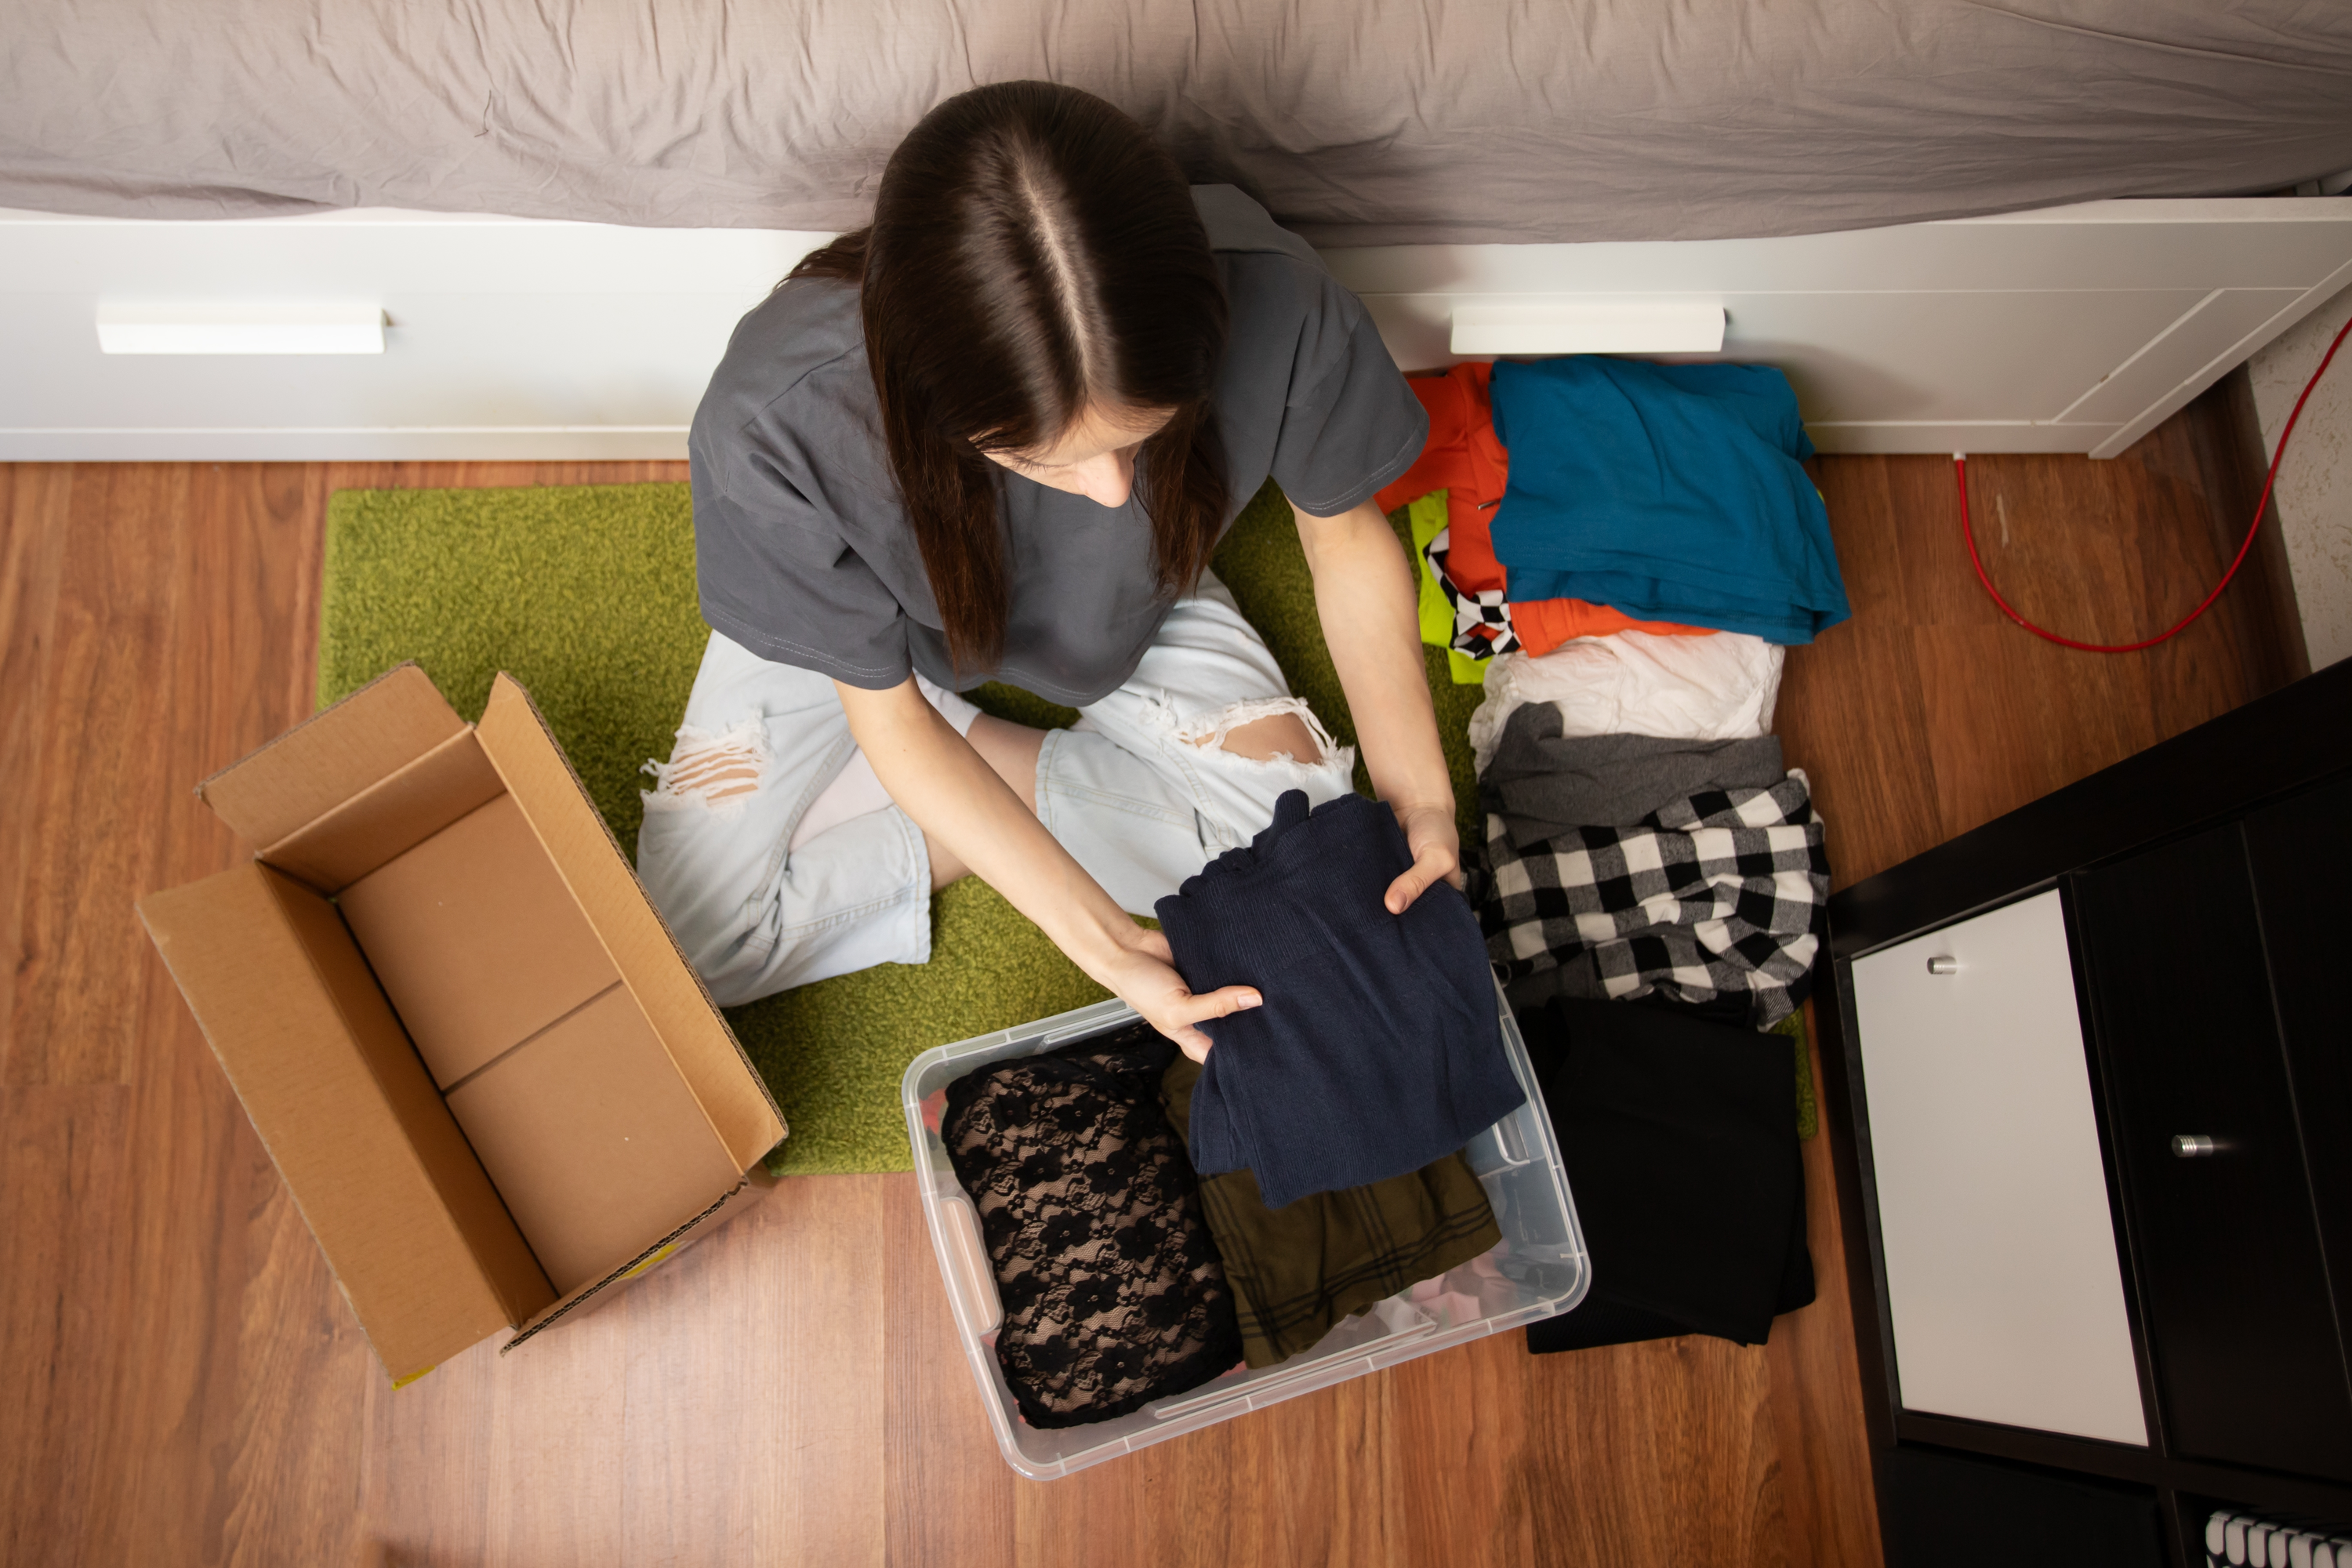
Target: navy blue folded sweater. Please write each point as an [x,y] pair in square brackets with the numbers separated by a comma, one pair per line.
[1378,1046]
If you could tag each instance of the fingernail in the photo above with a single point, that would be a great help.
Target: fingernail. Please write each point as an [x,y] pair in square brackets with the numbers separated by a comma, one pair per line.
[1253,1000]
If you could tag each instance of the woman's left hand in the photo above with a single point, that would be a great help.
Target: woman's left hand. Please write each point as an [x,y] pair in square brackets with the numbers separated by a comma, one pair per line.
[1436,845]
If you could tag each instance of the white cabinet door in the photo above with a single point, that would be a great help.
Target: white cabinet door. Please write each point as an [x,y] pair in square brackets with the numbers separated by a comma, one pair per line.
[2004,1288]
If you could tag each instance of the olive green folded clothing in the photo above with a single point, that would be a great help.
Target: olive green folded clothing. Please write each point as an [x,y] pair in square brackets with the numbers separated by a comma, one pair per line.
[1296,1271]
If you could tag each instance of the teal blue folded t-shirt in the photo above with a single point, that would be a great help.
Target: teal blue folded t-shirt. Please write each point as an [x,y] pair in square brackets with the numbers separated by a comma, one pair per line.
[1671,492]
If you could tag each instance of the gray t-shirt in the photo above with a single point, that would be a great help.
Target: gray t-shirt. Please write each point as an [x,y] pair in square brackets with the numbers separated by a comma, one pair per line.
[803,545]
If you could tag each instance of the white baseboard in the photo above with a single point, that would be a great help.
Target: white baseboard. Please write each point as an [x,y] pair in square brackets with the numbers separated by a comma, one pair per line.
[1894,437]
[668,443]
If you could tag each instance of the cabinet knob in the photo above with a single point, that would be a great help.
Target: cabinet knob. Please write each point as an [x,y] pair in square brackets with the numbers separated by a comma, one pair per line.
[2194,1145]
[1943,964]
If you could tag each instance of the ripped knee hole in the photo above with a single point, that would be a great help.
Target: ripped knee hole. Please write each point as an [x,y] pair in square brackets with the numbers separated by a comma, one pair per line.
[713,769]
[1263,729]
[1263,740]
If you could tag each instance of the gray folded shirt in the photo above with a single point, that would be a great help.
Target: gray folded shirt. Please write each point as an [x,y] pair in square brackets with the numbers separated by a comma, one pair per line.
[1541,783]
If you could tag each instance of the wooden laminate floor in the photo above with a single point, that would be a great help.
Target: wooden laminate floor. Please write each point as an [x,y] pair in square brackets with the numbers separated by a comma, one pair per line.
[183,1384]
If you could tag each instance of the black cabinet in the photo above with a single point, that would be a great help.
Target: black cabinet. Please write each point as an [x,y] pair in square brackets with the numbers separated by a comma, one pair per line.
[2241,1323]
[2204,886]
[1944,1510]
[2301,852]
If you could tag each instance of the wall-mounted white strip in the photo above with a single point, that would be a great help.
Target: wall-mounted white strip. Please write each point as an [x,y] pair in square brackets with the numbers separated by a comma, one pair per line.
[234,328]
[1600,324]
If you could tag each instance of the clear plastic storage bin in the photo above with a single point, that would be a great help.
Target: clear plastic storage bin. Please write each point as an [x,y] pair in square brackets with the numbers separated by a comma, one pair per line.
[1539,1269]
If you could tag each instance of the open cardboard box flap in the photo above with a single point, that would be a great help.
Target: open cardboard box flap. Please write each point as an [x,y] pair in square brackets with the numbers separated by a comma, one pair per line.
[540,777]
[333,756]
[428,1252]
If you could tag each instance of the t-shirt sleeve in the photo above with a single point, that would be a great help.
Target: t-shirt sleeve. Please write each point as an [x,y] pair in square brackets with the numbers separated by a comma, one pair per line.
[774,578]
[1351,425]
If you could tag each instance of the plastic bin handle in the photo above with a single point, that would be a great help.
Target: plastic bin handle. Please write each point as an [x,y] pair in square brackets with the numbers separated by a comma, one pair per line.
[972,1281]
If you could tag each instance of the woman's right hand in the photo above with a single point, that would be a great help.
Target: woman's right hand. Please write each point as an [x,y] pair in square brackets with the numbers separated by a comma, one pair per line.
[1143,975]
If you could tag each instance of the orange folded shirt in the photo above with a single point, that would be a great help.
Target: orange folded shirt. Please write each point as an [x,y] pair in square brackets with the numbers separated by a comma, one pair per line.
[1464,459]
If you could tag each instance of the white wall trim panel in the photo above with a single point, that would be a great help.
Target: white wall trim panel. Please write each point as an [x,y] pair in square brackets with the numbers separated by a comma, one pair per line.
[505,338]
[1897,435]
[2075,329]
[2072,330]
[2004,1288]
[2228,360]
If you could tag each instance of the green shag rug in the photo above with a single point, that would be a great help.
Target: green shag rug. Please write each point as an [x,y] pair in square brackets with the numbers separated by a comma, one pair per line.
[586,596]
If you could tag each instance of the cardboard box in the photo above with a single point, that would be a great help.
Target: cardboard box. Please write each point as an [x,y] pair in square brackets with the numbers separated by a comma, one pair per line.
[488,1075]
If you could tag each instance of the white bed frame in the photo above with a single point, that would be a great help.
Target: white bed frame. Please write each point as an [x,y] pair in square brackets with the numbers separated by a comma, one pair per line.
[2072,330]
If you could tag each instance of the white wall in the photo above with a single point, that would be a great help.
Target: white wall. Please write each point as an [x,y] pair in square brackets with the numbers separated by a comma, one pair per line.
[2313,495]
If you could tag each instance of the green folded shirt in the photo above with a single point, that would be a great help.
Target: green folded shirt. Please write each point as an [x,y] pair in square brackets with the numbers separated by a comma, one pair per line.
[1297,1271]
[1427,516]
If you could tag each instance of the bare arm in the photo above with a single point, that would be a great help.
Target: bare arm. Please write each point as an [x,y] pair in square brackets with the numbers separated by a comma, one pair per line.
[936,778]
[1366,598]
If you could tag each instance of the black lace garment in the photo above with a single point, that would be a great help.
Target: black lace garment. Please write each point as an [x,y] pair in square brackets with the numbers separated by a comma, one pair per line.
[1112,1291]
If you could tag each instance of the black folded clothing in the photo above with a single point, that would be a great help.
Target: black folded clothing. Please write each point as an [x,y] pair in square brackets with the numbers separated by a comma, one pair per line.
[1112,1291]
[1680,1140]
[1378,1046]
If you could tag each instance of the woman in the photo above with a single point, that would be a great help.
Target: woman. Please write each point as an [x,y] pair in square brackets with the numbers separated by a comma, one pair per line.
[997,436]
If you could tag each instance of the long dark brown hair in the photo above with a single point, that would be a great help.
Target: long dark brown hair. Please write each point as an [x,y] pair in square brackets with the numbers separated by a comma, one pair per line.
[1033,253]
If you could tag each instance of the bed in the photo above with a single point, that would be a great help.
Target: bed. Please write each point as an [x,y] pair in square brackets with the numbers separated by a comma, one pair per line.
[1356,121]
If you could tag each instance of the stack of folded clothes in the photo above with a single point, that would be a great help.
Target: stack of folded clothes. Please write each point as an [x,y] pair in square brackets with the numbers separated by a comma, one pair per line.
[1654,904]
[1623,865]
[1452,493]
[1654,876]
[1668,500]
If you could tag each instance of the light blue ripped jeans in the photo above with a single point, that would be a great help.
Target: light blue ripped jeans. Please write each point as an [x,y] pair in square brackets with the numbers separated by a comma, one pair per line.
[1142,793]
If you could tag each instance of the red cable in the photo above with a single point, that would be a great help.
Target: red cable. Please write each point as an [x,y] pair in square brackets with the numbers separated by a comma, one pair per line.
[1961,472]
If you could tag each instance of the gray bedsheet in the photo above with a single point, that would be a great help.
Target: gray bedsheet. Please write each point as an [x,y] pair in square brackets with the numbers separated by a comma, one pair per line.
[1356,121]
